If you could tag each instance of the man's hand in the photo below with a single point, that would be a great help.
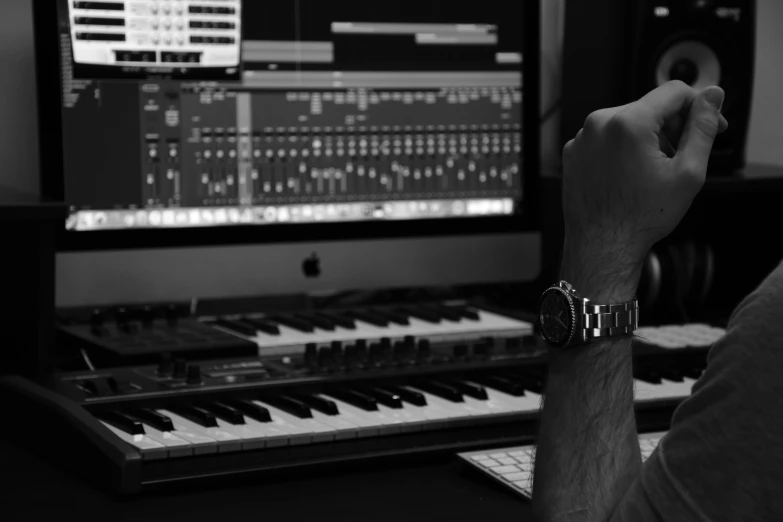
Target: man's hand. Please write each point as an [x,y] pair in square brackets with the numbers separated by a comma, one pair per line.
[632,172]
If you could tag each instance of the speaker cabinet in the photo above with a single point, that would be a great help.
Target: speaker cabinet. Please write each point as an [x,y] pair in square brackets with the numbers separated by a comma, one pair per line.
[615,51]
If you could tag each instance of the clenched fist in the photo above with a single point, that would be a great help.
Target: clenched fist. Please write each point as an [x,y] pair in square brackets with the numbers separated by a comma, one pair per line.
[630,175]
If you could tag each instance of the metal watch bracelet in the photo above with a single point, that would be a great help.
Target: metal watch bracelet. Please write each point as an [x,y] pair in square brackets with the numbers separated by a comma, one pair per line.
[599,321]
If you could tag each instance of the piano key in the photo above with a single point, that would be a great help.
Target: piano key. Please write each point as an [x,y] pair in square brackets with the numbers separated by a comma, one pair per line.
[369,425]
[224,411]
[274,435]
[386,425]
[528,403]
[355,398]
[250,437]
[298,433]
[226,441]
[411,396]
[438,388]
[262,326]
[288,404]
[501,383]
[465,312]
[338,319]
[201,443]
[409,421]
[319,432]
[393,316]
[459,411]
[195,414]
[421,313]
[385,397]
[291,322]
[150,449]
[468,388]
[153,418]
[119,420]
[315,402]
[235,325]
[177,446]
[344,429]
[533,383]
[445,312]
[293,341]
[318,321]
[250,409]
[369,317]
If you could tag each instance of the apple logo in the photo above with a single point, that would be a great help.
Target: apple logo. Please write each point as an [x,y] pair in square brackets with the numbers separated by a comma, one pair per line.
[312,266]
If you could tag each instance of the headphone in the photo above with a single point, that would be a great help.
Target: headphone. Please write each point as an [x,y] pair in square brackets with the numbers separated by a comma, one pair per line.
[676,280]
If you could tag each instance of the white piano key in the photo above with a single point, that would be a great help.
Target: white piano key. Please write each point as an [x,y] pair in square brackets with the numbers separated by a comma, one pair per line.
[226,441]
[436,411]
[298,434]
[292,341]
[645,391]
[251,438]
[319,432]
[409,421]
[150,449]
[344,429]
[274,437]
[463,408]
[202,445]
[178,447]
[369,425]
[530,402]
[386,425]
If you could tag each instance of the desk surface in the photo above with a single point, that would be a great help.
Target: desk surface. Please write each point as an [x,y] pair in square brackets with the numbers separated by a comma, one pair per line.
[439,489]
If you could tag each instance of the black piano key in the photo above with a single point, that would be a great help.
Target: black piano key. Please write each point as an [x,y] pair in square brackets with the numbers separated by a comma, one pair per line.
[318,321]
[290,405]
[691,372]
[157,420]
[446,313]
[440,389]
[534,383]
[292,322]
[319,404]
[670,373]
[469,388]
[262,326]
[225,412]
[369,317]
[123,422]
[236,326]
[423,314]
[385,397]
[502,384]
[647,375]
[251,409]
[195,414]
[393,317]
[341,320]
[355,398]
[410,396]
[465,312]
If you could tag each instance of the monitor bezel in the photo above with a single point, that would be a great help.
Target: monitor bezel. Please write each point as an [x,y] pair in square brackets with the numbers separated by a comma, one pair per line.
[52,179]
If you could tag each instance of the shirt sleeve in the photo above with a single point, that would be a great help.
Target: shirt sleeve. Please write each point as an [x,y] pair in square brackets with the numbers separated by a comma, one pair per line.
[722,458]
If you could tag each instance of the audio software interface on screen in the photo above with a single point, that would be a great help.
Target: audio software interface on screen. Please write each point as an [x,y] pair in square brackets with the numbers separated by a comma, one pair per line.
[187,113]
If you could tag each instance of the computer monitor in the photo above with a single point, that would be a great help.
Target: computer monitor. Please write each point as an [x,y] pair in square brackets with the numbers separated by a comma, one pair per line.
[221,148]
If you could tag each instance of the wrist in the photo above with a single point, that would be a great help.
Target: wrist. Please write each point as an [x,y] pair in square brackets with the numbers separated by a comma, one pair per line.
[601,272]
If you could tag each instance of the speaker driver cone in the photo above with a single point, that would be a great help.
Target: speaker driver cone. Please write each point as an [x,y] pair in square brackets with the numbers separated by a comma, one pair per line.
[691,61]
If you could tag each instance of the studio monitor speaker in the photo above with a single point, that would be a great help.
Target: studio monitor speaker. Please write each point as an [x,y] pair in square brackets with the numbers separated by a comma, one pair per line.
[615,51]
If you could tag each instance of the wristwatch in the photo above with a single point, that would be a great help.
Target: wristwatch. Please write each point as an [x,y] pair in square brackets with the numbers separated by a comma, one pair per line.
[566,319]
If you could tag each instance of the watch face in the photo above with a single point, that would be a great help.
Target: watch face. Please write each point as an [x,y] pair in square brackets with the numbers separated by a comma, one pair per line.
[555,317]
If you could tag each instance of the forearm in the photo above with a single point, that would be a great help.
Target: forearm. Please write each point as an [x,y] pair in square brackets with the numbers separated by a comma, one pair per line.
[588,452]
